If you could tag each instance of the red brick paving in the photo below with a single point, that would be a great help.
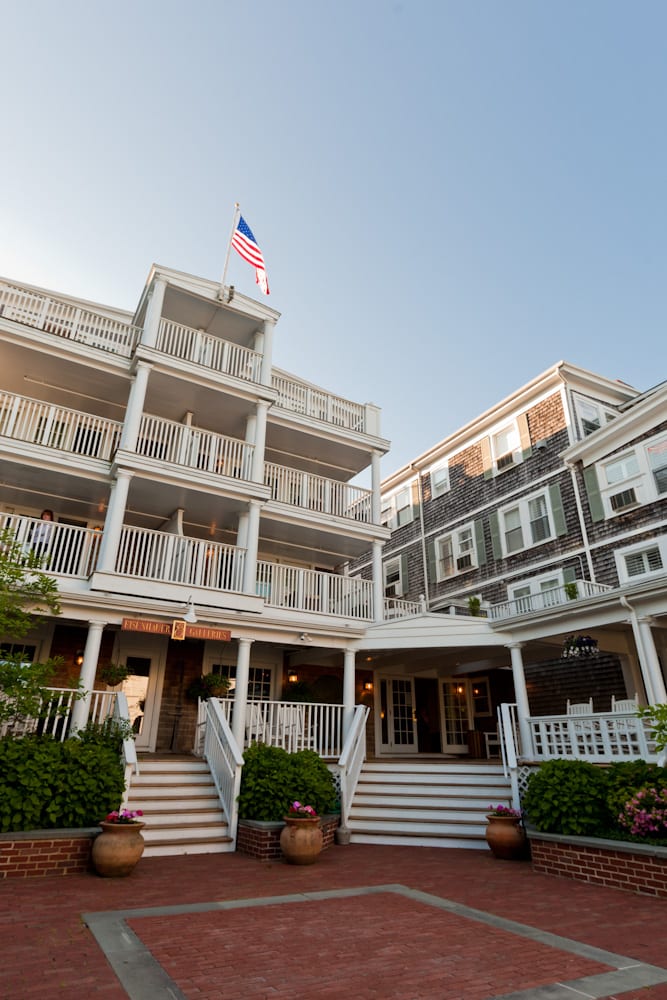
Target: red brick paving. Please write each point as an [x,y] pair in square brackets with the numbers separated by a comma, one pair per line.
[48,953]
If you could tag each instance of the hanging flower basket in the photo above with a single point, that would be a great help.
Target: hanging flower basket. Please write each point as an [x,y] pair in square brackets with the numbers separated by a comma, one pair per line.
[579,645]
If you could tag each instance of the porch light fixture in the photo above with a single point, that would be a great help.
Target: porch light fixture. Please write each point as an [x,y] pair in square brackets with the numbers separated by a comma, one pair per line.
[292,678]
[190,615]
[368,686]
[579,645]
[78,659]
[304,637]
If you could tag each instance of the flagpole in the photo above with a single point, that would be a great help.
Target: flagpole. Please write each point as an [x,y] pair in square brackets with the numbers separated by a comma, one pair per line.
[237,215]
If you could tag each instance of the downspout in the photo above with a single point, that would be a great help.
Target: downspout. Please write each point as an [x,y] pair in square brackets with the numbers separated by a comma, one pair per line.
[426,597]
[582,522]
[641,653]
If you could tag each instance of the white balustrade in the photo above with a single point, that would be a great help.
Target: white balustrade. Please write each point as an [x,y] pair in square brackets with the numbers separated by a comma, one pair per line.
[66,320]
[597,737]
[156,555]
[301,489]
[351,760]
[25,419]
[284,586]
[292,725]
[394,607]
[53,717]
[170,441]
[542,601]
[301,398]
[203,349]
[63,549]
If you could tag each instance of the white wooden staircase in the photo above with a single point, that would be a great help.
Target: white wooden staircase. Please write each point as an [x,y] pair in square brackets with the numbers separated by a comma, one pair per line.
[181,807]
[426,804]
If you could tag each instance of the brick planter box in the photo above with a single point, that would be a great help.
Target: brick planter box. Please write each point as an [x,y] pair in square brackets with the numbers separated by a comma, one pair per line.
[638,868]
[36,853]
[262,840]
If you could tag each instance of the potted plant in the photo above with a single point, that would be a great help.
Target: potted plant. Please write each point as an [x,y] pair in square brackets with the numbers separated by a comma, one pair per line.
[114,674]
[301,837]
[207,686]
[504,833]
[118,848]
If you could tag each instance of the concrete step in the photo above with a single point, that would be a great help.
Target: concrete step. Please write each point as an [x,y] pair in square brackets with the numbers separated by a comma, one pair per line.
[176,832]
[168,849]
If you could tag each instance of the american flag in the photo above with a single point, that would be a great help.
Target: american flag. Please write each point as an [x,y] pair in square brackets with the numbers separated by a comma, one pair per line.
[245,243]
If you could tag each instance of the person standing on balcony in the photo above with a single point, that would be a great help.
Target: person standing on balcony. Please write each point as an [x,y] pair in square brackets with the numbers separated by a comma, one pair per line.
[41,533]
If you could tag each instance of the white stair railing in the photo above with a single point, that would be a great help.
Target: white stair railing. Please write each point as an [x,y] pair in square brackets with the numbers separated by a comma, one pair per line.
[203,349]
[351,761]
[224,759]
[128,754]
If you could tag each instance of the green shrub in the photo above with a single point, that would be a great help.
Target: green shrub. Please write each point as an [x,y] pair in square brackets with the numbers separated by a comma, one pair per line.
[109,733]
[625,778]
[272,778]
[45,784]
[568,796]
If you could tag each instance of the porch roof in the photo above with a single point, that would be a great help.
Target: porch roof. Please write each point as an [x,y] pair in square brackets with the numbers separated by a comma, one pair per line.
[429,630]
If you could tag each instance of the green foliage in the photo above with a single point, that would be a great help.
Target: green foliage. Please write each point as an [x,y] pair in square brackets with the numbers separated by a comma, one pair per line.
[474,606]
[114,673]
[625,778]
[207,686]
[25,592]
[657,716]
[272,778]
[25,690]
[111,733]
[567,796]
[571,591]
[46,785]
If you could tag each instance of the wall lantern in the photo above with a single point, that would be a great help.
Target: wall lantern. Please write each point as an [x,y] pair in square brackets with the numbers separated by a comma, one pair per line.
[78,659]
[292,678]
[368,686]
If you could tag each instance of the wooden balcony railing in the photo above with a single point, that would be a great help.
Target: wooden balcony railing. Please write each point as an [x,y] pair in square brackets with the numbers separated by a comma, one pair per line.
[170,441]
[25,419]
[290,725]
[301,398]
[298,589]
[196,562]
[211,352]
[301,489]
[555,597]
[64,549]
[61,318]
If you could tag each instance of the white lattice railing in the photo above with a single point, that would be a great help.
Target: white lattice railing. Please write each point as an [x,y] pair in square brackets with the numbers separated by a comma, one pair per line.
[203,349]
[64,549]
[65,320]
[170,441]
[25,419]
[597,737]
[301,489]
[284,586]
[351,760]
[301,398]
[292,725]
[546,599]
[156,555]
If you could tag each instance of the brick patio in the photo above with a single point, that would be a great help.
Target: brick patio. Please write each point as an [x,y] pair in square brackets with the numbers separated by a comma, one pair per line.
[365,922]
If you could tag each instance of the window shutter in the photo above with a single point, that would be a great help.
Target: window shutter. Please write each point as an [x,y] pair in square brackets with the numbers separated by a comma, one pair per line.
[487,463]
[593,491]
[415,500]
[404,576]
[432,561]
[524,435]
[494,524]
[560,524]
[480,544]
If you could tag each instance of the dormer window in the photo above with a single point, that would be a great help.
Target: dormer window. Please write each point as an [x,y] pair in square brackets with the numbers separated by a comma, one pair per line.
[439,480]
[506,447]
[592,416]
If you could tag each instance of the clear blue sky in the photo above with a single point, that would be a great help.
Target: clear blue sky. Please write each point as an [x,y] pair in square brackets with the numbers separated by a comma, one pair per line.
[450,196]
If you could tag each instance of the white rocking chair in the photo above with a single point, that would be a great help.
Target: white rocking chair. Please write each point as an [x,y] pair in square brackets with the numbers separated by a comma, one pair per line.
[624,704]
[580,707]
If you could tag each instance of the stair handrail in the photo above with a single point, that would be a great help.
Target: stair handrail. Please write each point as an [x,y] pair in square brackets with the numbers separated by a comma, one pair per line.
[224,758]
[350,762]
[508,732]
[128,753]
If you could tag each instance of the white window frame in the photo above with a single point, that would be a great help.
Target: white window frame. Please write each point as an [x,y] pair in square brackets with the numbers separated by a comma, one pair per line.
[657,444]
[463,543]
[523,507]
[395,513]
[513,448]
[648,545]
[440,482]
[397,586]
[642,480]
[603,413]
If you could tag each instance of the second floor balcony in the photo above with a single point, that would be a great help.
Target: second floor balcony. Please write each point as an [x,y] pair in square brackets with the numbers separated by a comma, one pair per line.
[546,599]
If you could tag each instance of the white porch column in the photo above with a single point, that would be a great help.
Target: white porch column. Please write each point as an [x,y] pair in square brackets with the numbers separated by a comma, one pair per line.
[113,522]
[650,662]
[87,676]
[154,313]
[521,695]
[376,499]
[348,689]
[241,690]
[378,583]
[135,407]
[257,473]
[252,544]
[267,356]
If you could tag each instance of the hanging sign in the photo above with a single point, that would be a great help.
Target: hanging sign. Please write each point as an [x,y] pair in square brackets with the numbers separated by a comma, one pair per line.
[177,629]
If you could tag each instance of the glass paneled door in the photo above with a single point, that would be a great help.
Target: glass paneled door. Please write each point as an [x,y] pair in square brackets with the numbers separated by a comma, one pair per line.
[144,657]
[456,715]
[398,718]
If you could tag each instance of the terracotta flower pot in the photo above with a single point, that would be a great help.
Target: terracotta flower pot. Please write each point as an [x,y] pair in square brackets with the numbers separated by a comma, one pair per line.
[506,837]
[301,840]
[117,849]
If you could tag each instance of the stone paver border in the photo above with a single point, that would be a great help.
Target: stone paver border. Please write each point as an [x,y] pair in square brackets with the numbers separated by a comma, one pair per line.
[143,978]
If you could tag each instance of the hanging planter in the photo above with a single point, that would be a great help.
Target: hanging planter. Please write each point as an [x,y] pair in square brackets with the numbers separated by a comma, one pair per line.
[579,645]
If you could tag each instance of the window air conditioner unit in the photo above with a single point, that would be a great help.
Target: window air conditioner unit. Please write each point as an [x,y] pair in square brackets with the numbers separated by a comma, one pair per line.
[505,461]
[392,590]
[623,500]
[464,562]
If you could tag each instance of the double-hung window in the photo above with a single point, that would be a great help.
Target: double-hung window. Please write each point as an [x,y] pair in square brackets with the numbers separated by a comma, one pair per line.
[456,552]
[506,447]
[657,458]
[393,584]
[592,415]
[529,522]
[397,510]
[439,480]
